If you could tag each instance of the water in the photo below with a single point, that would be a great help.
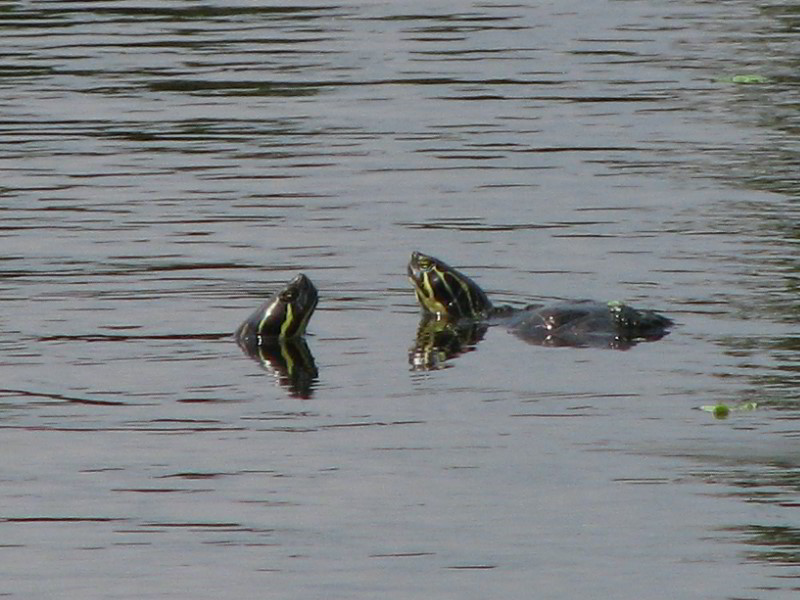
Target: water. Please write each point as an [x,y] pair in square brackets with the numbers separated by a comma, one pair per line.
[166,166]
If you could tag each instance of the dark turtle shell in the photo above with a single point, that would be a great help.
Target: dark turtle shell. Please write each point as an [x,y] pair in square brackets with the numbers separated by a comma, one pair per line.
[586,323]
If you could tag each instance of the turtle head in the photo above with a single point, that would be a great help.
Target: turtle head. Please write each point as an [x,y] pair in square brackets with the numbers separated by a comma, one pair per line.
[289,310]
[283,316]
[444,292]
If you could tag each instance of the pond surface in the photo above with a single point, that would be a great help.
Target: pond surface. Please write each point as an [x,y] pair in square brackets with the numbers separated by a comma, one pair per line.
[167,166]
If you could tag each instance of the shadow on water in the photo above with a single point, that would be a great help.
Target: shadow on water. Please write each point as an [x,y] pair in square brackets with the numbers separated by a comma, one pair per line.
[439,341]
[289,361]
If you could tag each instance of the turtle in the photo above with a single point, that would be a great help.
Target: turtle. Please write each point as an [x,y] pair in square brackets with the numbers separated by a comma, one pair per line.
[273,336]
[446,294]
[284,316]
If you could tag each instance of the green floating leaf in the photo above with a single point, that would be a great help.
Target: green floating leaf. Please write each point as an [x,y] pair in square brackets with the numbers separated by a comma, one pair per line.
[744,79]
[721,411]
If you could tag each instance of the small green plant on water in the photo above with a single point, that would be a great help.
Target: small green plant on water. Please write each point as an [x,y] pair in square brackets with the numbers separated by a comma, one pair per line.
[722,410]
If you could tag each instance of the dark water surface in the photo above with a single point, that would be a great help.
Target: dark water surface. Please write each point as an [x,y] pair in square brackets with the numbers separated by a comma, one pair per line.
[167,165]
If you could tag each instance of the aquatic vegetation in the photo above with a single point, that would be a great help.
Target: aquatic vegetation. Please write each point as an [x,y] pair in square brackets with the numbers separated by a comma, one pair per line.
[722,410]
[744,78]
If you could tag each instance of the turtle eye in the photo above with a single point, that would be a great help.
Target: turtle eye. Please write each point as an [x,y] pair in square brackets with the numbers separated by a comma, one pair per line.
[288,295]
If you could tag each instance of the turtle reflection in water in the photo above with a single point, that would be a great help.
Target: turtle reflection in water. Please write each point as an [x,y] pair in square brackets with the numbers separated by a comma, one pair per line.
[273,336]
[457,312]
